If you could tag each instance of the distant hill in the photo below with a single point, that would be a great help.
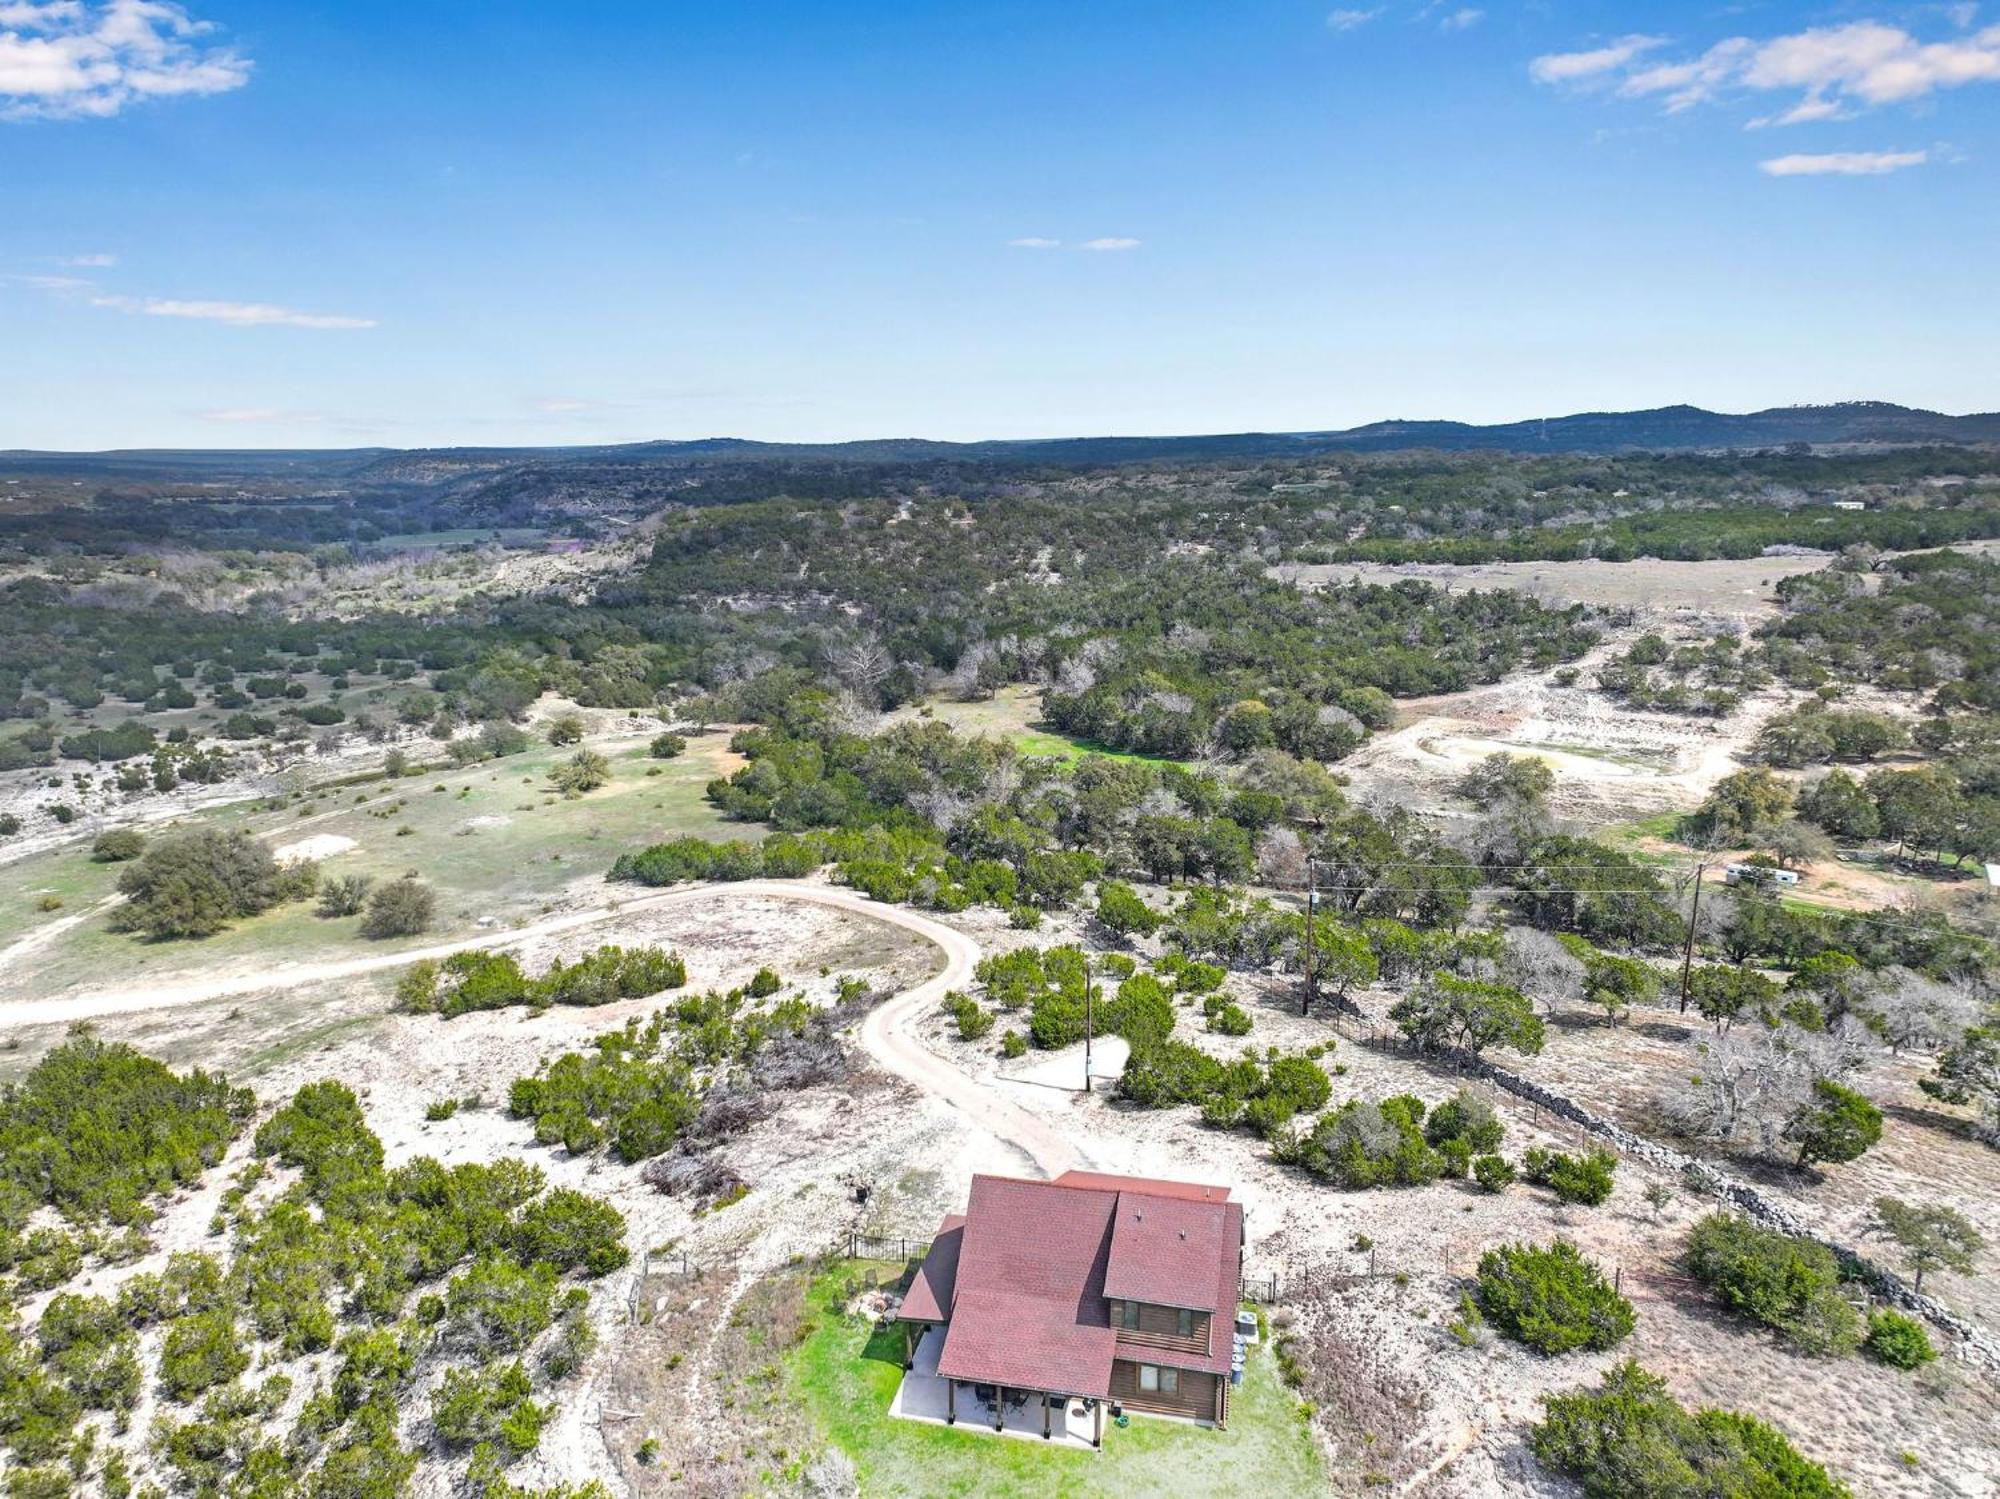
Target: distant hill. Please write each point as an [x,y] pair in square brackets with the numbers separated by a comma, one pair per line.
[1666,428]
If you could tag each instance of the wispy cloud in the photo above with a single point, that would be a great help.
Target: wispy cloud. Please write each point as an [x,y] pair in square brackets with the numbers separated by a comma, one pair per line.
[240,314]
[1834,71]
[1111,242]
[66,59]
[1843,163]
[1594,63]
[564,406]
[1348,20]
[1462,19]
[1034,242]
[89,262]
[260,416]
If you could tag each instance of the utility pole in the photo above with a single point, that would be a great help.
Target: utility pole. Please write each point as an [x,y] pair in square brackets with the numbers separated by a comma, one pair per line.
[1088,1019]
[1312,973]
[1687,956]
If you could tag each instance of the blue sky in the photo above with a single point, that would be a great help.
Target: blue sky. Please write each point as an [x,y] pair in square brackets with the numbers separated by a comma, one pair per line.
[261,224]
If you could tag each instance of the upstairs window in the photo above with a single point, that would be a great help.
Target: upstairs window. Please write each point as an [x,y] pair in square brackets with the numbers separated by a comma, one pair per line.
[1128,1313]
[1184,1323]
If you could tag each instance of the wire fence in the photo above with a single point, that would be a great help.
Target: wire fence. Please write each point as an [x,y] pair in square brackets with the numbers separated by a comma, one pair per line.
[861,1246]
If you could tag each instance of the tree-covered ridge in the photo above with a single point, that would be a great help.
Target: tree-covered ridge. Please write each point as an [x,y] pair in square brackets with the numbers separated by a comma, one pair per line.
[1123,587]
[97,1130]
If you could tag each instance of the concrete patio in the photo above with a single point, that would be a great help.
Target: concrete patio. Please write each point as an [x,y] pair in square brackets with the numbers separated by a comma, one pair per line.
[921,1397]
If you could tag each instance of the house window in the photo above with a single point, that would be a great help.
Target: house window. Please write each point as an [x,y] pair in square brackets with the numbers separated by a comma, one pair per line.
[1184,1324]
[1153,1380]
[1129,1314]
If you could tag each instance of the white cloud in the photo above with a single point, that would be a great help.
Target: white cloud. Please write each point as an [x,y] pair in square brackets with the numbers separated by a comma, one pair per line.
[258,415]
[1111,242]
[1843,163]
[240,314]
[562,406]
[1805,112]
[1347,20]
[90,262]
[57,284]
[63,59]
[1833,70]
[1034,242]
[1581,67]
[1461,19]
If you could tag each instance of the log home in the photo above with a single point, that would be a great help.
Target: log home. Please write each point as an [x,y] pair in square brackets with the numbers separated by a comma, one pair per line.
[1100,1289]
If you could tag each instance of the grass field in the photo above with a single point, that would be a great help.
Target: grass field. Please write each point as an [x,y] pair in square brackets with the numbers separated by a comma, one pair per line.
[492,839]
[1015,713]
[846,1374]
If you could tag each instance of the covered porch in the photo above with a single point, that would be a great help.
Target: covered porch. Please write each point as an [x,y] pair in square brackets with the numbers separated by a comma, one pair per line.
[1034,1415]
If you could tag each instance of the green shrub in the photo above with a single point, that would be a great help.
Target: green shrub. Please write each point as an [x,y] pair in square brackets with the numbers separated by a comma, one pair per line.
[667,747]
[1628,1439]
[201,1351]
[344,895]
[973,1020]
[401,908]
[1367,1145]
[490,1405]
[118,846]
[1230,1020]
[573,1232]
[1898,1341]
[496,1306]
[1013,1044]
[1582,1178]
[96,1130]
[1492,1172]
[1786,1283]
[764,983]
[440,1109]
[1121,912]
[1159,1074]
[1552,1299]
[193,884]
[1465,1116]
[1838,1124]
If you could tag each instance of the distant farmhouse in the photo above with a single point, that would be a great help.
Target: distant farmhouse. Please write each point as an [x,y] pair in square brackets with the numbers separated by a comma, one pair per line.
[1047,1301]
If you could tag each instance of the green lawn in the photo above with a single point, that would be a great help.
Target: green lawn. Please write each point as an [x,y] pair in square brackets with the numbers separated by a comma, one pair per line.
[846,1374]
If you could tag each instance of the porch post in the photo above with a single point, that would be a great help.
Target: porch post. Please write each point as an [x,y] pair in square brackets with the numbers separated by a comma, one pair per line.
[1045,1415]
[1097,1423]
[909,1347]
[999,1407]
[951,1402]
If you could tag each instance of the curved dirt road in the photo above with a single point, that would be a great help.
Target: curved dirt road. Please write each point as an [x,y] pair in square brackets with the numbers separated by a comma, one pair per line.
[888,1034]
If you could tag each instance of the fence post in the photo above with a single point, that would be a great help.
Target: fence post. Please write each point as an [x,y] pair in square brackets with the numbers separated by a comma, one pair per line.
[1371,1262]
[1618,1280]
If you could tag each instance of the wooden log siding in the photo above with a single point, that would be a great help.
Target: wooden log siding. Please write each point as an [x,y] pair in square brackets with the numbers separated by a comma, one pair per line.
[1197,1396]
[1159,1327]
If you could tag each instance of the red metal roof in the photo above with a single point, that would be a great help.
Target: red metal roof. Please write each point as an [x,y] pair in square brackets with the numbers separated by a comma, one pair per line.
[1021,1279]
[929,1298]
[1101,1181]
[1165,1250]
[998,1338]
